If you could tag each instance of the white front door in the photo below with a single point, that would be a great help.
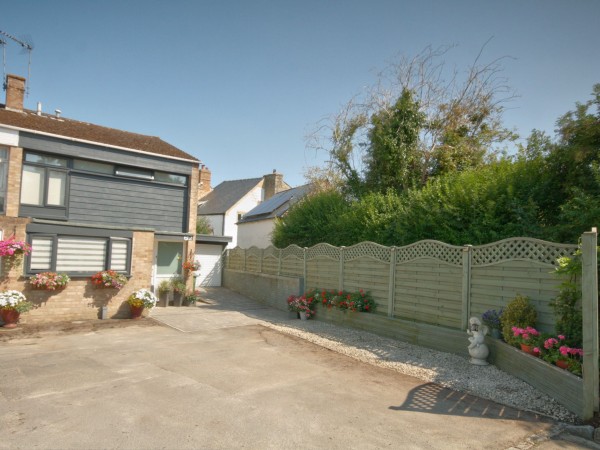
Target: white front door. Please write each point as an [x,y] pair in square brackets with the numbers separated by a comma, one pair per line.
[168,258]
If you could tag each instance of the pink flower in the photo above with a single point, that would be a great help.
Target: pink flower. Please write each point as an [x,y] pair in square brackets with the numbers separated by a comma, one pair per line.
[561,337]
[564,350]
[525,336]
[536,350]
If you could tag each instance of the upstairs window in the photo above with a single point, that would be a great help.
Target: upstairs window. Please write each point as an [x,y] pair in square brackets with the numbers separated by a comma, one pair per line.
[44,181]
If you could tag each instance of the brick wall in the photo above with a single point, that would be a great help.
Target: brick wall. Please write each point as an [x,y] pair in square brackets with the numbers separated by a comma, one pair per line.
[13,191]
[79,300]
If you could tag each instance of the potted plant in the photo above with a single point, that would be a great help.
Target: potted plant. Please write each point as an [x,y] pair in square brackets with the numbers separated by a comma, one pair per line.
[49,281]
[140,300]
[11,247]
[191,265]
[164,288]
[556,352]
[528,339]
[303,305]
[12,304]
[178,287]
[492,318]
[107,279]
[13,251]
[191,299]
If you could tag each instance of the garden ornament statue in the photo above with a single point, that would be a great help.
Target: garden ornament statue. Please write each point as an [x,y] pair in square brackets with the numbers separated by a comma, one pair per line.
[477,348]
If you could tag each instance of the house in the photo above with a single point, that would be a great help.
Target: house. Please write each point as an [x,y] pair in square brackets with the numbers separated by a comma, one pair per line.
[91,198]
[256,226]
[223,207]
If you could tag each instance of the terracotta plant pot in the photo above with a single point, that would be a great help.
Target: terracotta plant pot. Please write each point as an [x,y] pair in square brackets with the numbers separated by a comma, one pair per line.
[528,349]
[10,317]
[136,311]
[562,364]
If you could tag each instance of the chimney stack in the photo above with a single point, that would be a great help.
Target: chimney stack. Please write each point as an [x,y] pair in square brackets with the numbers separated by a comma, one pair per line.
[204,181]
[272,184]
[15,92]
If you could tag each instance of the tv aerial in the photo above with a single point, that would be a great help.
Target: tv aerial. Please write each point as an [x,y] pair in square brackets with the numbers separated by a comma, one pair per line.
[26,47]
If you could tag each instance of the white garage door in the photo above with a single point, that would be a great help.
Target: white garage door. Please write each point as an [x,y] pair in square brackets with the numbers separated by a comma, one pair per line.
[209,256]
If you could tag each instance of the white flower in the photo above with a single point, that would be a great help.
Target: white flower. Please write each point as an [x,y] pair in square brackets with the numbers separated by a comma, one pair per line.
[11,298]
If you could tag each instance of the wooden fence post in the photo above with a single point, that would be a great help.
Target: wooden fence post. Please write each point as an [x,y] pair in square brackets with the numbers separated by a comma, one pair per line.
[589,304]
[245,258]
[466,286]
[279,263]
[305,269]
[392,286]
[260,261]
[341,274]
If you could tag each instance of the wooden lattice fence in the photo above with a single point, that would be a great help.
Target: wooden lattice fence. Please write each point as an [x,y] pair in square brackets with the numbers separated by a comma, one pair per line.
[433,283]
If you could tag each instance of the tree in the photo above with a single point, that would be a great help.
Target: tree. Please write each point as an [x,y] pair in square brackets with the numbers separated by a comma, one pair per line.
[393,160]
[459,121]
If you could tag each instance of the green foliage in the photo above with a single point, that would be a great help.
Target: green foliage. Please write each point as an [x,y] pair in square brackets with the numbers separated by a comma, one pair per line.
[472,207]
[203,226]
[393,157]
[550,190]
[567,304]
[518,313]
[164,287]
[177,285]
[314,219]
[23,307]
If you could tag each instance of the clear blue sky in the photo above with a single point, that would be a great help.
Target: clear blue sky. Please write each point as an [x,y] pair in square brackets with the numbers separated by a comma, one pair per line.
[239,84]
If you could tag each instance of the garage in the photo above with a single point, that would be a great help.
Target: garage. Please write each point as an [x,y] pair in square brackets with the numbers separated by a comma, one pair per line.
[208,253]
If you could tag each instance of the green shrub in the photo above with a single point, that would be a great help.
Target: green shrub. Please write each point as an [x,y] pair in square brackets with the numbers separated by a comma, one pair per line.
[316,218]
[567,304]
[518,313]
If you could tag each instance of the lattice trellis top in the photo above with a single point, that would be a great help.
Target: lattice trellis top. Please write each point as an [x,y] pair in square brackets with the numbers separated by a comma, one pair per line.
[520,249]
[450,254]
[326,250]
[368,249]
[292,250]
[254,251]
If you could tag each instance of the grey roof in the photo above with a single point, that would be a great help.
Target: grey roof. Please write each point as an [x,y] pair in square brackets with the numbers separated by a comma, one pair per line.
[225,195]
[277,205]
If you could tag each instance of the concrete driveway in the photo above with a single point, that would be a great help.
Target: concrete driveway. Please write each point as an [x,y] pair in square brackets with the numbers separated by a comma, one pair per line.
[226,381]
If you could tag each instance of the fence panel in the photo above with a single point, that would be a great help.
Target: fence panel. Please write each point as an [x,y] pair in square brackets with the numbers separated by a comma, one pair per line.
[429,290]
[253,259]
[370,275]
[504,269]
[292,261]
[236,259]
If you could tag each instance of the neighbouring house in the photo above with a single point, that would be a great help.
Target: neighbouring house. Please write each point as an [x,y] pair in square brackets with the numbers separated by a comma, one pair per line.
[256,226]
[223,207]
[90,198]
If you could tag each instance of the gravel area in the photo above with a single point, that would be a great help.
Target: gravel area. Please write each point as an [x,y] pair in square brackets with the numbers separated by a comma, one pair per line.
[446,369]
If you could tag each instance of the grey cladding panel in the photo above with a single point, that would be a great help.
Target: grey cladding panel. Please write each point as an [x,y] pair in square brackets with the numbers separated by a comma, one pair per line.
[127,203]
[98,153]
